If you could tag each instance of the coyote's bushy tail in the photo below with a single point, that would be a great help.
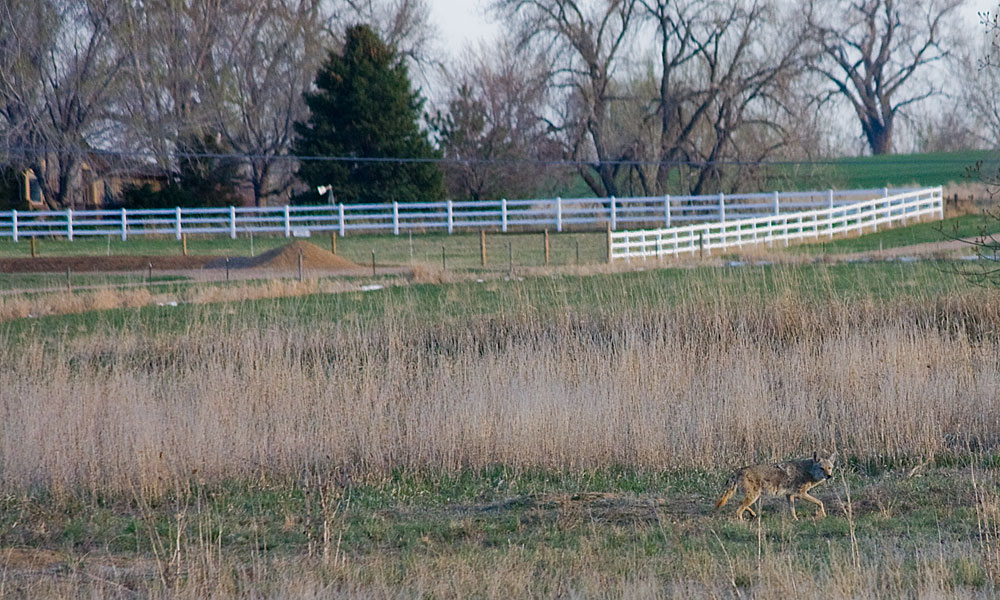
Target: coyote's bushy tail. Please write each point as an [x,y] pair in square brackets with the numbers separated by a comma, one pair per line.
[730,490]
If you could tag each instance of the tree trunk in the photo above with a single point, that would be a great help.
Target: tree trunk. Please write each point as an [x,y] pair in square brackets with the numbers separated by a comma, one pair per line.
[879,137]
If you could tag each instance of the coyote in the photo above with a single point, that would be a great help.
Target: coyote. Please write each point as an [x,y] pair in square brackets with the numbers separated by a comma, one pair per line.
[792,479]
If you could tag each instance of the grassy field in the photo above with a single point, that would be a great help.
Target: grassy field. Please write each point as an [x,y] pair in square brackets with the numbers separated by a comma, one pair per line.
[240,306]
[561,433]
[860,172]
[969,226]
[31,281]
[929,169]
[573,431]
[867,172]
[458,252]
[461,250]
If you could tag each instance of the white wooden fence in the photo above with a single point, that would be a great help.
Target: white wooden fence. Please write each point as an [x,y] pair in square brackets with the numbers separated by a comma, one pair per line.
[885,211]
[504,215]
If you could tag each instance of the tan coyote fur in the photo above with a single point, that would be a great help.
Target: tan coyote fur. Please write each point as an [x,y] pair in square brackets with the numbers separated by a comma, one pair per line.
[792,479]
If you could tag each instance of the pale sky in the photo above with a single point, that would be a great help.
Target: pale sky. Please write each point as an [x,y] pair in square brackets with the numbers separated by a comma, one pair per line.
[461,22]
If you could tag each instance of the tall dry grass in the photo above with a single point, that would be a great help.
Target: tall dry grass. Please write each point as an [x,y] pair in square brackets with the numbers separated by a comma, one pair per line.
[708,384]
[19,306]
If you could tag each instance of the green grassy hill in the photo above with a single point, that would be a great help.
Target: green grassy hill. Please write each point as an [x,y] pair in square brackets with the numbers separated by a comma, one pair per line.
[860,172]
[936,168]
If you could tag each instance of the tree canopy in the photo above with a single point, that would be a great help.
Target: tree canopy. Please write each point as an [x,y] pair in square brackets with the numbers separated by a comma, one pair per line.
[364,108]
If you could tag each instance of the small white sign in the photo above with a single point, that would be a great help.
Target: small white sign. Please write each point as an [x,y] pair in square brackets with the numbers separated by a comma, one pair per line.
[301,232]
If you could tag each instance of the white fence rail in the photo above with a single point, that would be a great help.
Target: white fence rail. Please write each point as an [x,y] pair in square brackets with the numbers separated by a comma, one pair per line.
[886,211]
[556,213]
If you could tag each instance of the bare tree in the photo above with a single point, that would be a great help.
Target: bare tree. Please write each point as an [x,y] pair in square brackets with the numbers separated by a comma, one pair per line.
[27,34]
[172,52]
[874,53]
[494,122]
[55,97]
[403,24]
[267,59]
[728,71]
[979,91]
[584,40]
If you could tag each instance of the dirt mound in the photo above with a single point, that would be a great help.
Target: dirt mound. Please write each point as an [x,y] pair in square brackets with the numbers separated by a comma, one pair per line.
[287,258]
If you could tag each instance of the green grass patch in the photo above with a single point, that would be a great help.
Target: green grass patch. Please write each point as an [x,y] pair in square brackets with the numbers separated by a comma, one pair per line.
[927,169]
[855,172]
[413,520]
[538,295]
[57,281]
[965,226]
[460,251]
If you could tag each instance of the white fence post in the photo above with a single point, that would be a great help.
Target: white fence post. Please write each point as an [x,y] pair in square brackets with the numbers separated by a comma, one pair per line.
[395,218]
[177,222]
[722,207]
[124,226]
[558,213]
[614,215]
[232,222]
[503,215]
[13,224]
[666,210]
[451,219]
[777,206]
[340,213]
[288,222]
[69,224]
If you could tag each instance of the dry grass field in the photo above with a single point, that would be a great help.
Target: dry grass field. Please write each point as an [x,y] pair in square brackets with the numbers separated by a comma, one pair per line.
[566,448]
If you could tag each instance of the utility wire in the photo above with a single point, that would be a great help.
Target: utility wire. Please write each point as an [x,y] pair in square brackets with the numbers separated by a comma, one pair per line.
[135,154]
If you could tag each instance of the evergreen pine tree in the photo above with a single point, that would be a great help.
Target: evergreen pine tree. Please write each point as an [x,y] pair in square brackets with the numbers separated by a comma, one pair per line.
[364,107]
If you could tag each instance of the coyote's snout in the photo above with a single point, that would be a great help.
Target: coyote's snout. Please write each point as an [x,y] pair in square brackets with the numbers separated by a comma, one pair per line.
[792,479]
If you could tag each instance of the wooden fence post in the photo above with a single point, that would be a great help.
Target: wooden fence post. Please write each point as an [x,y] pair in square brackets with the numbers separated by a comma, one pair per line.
[482,247]
[609,240]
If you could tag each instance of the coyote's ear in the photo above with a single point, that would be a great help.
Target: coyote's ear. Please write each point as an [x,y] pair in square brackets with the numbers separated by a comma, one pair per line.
[833,456]
[815,456]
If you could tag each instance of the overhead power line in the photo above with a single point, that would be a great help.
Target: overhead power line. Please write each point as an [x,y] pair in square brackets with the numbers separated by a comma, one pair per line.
[840,162]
